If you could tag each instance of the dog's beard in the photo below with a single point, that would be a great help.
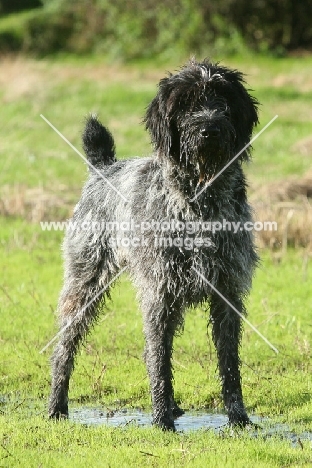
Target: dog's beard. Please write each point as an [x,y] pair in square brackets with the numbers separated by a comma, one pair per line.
[204,161]
[208,165]
[203,153]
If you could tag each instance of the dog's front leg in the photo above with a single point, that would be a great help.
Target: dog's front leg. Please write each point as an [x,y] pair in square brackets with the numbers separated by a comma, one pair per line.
[158,349]
[226,332]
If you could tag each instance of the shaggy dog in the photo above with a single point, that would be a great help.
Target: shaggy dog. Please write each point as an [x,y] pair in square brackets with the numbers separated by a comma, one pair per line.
[163,218]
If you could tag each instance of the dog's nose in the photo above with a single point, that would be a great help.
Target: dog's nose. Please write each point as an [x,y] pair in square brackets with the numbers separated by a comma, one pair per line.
[210,132]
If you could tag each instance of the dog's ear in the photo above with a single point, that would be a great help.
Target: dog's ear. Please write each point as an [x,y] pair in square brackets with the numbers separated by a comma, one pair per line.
[244,111]
[160,123]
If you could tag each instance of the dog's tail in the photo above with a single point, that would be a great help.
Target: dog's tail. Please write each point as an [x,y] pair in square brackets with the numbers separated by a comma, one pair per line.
[98,143]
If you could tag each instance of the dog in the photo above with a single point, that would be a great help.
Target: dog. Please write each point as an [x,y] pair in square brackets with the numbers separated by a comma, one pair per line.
[200,121]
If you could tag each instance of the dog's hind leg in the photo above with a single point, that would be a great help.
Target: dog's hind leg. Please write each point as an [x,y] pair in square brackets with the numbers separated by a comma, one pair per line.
[226,333]
[78,310]
[87,276]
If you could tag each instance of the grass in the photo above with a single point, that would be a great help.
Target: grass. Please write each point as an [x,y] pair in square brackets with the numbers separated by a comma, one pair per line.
[131,447]
[110,371]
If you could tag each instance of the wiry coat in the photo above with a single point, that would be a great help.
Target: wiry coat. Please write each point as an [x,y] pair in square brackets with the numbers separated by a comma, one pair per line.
[199,120]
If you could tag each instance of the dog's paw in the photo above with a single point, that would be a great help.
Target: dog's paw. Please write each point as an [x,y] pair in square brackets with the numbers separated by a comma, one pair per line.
[243,423]
[164,424]
[58,415]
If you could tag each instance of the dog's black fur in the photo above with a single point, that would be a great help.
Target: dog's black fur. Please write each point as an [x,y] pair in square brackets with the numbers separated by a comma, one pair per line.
[199,120]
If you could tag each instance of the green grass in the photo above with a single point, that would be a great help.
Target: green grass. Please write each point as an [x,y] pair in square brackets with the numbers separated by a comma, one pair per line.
[70,445]
[110,372]
[37,155]
[284,88]
[67,444]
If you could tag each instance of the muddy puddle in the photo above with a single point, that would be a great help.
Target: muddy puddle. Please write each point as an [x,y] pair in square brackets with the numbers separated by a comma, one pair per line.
[190,421]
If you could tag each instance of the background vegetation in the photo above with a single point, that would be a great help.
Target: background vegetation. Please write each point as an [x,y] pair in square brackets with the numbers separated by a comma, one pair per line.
[130,29]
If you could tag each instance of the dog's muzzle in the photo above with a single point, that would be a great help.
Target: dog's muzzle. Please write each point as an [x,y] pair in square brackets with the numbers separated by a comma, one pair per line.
[207,141]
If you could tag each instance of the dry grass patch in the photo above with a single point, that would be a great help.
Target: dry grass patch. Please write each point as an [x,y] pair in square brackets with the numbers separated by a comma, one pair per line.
[37,204]
[21,77]
[289,203]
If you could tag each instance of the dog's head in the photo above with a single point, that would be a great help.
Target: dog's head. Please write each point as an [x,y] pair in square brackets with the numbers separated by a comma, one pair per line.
[202,117]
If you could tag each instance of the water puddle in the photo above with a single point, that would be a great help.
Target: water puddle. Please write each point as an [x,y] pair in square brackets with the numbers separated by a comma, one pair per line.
[190,421]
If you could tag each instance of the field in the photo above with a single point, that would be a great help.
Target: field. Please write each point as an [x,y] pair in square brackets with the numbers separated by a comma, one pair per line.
[41,178]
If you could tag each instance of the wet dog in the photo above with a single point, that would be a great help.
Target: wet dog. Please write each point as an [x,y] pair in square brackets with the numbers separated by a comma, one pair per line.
[199,121]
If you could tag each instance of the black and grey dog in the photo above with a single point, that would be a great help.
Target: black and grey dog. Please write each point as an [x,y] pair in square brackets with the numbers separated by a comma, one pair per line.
[200,119]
